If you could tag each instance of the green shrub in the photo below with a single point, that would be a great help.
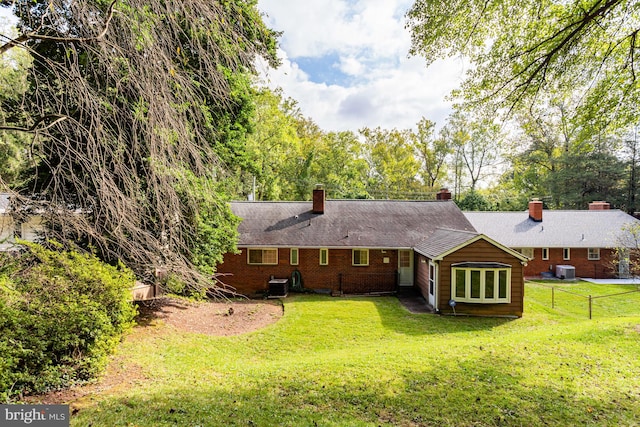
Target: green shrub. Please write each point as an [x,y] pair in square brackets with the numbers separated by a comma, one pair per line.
[61,314]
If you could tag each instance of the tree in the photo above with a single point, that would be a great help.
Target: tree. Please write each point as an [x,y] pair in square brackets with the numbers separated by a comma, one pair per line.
[522,50]
[340,166]
[627,251]
[14,157]
[431,152]
[557,160]
[473,201]
[270,146]
[132,105]
[476,144]
[393,169]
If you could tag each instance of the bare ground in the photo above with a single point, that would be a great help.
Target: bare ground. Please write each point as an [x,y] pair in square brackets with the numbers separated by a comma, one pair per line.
[209,318]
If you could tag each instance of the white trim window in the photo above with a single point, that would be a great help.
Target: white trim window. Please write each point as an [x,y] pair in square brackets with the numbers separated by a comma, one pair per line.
[360,257]
[294,256]
[566,254]
[485,283]
[324,256]
[593,254]
[262,256]
[545,254]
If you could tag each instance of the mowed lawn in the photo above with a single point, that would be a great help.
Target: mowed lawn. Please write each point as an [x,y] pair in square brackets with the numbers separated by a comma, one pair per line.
[367,361]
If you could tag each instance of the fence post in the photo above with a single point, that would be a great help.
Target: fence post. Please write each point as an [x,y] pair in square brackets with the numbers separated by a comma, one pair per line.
[553,297]
[590,307]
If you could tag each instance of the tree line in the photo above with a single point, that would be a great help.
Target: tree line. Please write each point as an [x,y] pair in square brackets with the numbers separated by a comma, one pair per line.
[485,164]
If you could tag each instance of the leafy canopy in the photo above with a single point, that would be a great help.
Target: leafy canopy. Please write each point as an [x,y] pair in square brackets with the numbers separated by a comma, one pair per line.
[523,52]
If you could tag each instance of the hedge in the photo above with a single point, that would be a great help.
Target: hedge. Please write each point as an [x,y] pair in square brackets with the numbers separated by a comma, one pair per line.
[61,314]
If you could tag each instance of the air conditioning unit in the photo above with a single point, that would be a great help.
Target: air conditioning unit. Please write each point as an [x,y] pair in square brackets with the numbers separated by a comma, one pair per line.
[565,271]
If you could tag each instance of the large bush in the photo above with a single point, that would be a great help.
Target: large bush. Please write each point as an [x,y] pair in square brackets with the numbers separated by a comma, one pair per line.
[61,314]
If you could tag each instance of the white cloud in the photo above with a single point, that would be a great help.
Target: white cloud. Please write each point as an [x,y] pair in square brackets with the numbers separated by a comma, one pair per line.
[363,45]
[351,66]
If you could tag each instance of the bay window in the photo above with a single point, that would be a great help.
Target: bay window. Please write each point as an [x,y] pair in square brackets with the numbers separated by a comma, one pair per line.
[488,282]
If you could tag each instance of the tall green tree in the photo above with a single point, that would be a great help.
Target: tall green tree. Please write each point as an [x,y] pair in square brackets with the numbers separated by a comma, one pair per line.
[341,166]
[14,145]
[393,168]
[132,105]
[431,152]
[557,160]
[521,51]
[270,147]
[476,146]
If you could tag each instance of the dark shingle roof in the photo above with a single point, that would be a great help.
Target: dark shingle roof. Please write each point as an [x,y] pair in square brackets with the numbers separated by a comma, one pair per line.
[558,229]
[444,240]
[346,223]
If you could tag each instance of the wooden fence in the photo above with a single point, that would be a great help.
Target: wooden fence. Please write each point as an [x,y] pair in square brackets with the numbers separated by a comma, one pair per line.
[589,299]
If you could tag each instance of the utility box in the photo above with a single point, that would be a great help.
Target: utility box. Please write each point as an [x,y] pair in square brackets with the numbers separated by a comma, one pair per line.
[565,272]
[278,288]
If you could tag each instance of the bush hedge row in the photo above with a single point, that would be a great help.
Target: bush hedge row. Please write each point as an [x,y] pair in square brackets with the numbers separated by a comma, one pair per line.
[61,314]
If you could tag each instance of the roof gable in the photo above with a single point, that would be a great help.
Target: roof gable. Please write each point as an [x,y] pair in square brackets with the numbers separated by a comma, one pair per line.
[444,242]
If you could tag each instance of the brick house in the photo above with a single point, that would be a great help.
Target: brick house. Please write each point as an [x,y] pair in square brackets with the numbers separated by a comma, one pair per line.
[583,240]
[375,246]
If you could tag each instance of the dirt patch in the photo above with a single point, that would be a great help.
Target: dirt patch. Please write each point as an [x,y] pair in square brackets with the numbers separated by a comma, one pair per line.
[210,318]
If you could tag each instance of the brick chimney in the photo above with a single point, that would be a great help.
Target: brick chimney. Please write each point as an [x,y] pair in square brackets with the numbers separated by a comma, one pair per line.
[599,206]
[535,210]
[318,199]
[443,194]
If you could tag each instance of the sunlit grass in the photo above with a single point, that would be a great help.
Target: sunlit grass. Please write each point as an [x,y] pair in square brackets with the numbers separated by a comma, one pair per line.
[368,362]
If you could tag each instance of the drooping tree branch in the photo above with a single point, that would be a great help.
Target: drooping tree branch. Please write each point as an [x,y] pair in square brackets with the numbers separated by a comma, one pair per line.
[34,35]
[128,122]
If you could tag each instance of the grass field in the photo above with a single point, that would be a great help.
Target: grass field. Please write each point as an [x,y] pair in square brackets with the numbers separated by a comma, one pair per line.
[369,362]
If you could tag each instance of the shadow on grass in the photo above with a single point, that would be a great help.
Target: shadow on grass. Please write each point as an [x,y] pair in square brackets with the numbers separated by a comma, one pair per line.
[394,317]
[477,391]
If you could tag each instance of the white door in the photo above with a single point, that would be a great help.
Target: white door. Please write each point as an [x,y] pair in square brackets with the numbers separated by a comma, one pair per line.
[432,284]
[405,267]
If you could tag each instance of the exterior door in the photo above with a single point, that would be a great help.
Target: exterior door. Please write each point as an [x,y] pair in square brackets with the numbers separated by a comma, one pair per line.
[432,284]
[405,267]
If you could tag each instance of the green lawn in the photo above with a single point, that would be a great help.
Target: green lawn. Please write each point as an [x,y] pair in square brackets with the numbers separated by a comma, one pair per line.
[369,362]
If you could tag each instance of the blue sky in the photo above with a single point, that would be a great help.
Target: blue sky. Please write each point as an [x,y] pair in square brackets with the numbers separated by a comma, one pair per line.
[346,63]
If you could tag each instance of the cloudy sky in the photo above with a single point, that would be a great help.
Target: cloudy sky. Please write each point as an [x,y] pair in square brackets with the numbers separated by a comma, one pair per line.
[346,63]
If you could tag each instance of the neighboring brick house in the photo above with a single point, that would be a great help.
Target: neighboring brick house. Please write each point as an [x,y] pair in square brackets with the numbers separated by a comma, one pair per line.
[583,239]
[375,246]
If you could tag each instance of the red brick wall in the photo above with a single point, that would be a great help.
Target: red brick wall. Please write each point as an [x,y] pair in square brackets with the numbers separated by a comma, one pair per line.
[596,269]
[251,279]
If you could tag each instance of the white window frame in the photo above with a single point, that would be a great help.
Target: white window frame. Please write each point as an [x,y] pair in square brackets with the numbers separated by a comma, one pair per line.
[262,256]
[294,256]
[545,254]
[593,254]
[483,299]
[360,251]
[324,251]
[566,254]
